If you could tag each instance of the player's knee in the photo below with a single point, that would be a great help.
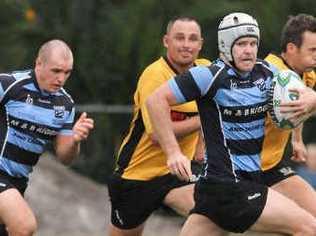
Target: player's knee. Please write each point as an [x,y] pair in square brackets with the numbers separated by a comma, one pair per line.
[180,199]
[187,205]
[115,231]
[182,205]
[25,228]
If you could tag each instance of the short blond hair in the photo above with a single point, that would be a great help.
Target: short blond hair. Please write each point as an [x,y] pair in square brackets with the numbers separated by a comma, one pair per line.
[47,48]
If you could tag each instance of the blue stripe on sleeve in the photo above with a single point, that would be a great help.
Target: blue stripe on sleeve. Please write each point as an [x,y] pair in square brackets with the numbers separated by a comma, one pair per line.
[66,132]
[202,77]
[176,91]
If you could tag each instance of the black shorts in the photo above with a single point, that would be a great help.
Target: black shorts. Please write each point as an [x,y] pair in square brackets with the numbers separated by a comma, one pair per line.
[7,182]
[133,201]
[234,206]
[276,174]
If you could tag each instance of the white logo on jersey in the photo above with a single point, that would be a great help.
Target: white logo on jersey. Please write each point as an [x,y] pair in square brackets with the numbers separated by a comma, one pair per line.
[285,171]
[29,99]
[260,84]
[44,101]
[254,196]
[118,217]
[59,111]
[233,85]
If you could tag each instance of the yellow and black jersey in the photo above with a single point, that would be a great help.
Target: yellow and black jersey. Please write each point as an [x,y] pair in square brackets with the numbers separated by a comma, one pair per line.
[138,157]
[275,138]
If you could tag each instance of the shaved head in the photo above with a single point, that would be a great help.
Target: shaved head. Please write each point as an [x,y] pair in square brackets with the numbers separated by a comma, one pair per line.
[54,47]
[53,66]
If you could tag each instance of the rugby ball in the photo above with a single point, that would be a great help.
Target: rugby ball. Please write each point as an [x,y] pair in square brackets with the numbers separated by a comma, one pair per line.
[279,93]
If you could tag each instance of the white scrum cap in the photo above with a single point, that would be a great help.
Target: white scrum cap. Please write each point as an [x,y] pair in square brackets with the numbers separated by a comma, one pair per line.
[233,27]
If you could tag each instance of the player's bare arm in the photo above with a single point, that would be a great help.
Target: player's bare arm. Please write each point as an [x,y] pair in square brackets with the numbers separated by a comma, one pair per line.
[158,105]
[68,146]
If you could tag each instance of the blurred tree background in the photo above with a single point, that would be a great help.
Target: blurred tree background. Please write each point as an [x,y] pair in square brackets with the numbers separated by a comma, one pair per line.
[113,41]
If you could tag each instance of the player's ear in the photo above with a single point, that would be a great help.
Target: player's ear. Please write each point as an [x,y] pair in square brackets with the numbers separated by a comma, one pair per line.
[38,61]
[165,40]
[291,48]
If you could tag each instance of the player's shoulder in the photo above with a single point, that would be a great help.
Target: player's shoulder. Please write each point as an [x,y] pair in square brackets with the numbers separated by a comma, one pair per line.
[202,62]
[276,61]
[15,79]
[156,65]
[263,63]
[6,80]
[158,71]
[217,66]
[22,74]
[266,66]
[16,75]
[64,97]
[6,76]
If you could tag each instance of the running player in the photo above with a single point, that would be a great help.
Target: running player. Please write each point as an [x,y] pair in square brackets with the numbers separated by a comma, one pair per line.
[231,95]
[35,110]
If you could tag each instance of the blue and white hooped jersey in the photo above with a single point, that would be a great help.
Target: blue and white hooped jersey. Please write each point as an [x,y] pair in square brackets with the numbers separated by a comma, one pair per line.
[29,120]
[232,110]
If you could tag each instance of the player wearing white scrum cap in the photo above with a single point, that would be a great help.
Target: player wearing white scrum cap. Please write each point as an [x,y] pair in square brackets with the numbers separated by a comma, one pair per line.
[232,98]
